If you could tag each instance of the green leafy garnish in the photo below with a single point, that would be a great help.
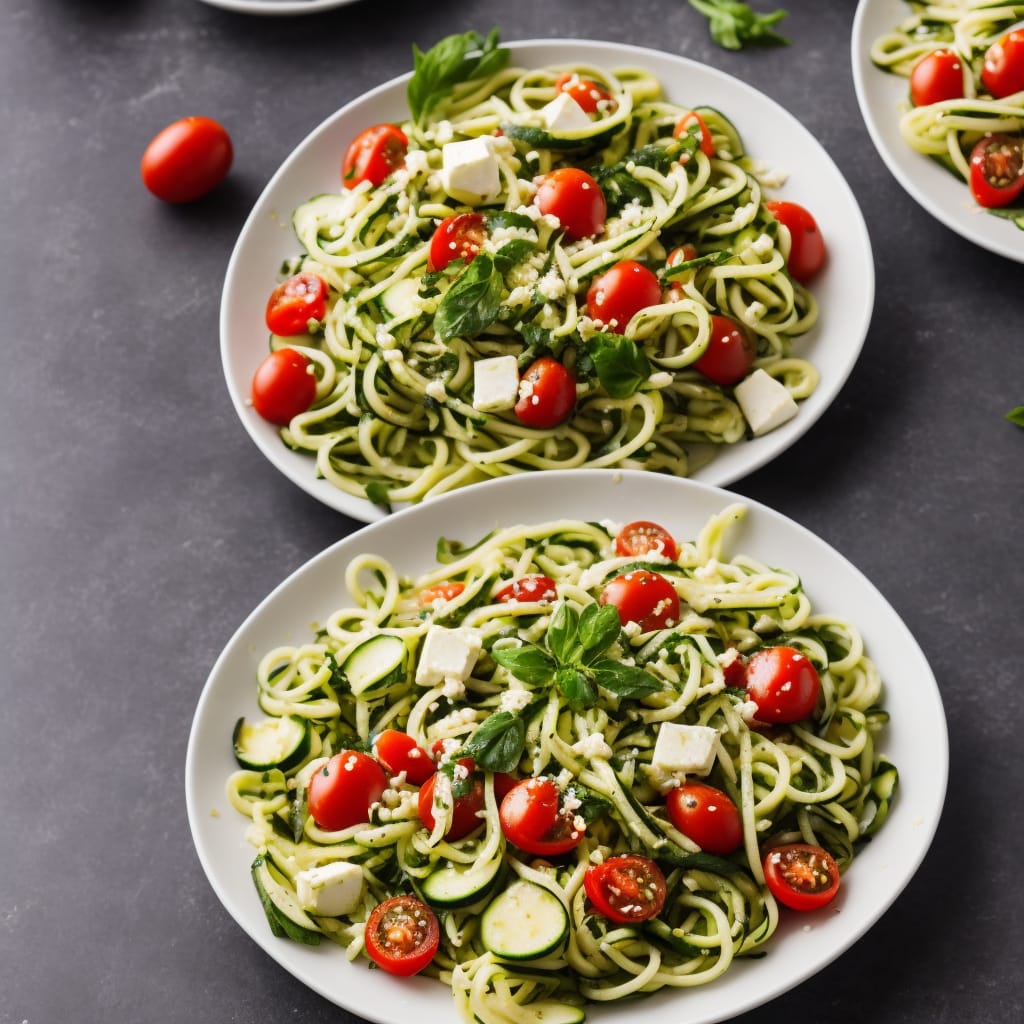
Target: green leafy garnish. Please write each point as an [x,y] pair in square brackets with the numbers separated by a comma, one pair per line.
[1016,415]
[473,301]
[620,364]
[572,658]
[734,24]
[497,743]
[455,59]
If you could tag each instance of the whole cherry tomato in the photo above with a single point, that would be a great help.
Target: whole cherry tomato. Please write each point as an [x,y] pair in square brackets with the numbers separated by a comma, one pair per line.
[547,394]
[399,752]
[402,935]
[807,251]
[283,386]
[187,160]
[341,791]
[459,237]
[936,77]
[646,598]
[373,155]
[527,589]
[618,294]
[465,807]
[534,817]
[730,353]
[293,303]
[575,199]
[1002,71]
[783,684]
[707,816]
[586,92]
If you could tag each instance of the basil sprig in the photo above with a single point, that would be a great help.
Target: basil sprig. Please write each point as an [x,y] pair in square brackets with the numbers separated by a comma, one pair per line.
[455,59]
[574,660]
[734,24]
[496,745]
[473,301]
[619,362]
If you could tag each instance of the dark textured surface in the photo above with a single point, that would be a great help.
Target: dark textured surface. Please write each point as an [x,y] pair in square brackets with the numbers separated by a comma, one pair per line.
[141,524]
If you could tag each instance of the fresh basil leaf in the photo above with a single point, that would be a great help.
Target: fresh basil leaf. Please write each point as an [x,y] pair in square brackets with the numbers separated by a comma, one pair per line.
[472,302]
[454,59]
[497,743]
[577,688]
[529,664]
[513,253]
[563,634]
[498,219]
[1016,415]
[377,492]
[734,24]
[620,363]
[592,807]
[624,680]
[599,628]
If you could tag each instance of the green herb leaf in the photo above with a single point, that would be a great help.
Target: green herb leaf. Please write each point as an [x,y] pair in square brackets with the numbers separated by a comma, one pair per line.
[620,363]
[1016,415]
[592,806]
[577,688]
[624,680]
[454,59]
[529,664]
[563,634]
[377,492]
[472,302]
[497,743]
[734,24]
[599,629]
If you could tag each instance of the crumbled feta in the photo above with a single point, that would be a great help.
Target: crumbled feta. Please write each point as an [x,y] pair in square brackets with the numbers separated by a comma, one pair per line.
[594,745]
[331,889]
[514,699]
[470,171]
[765,402]
[436,390]
[684,748]
[495,383]
[447,654]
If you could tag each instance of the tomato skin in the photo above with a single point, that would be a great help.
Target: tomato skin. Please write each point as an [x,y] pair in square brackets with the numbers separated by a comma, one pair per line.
[402,935]
[533,818]
[459,237]
[341,791]
[575,199]
[801,876]
[730,353]
[399,752]
[783,684]
[707,145]
[807,249]
[997,170]
[373,155]
[547,394]
[643,537]
[936,77]
[681,254]
[586,92]
[187,159]
[1002,71]
[646,598]
[293,303]
[447,591]
[464,811]
[527,588]
[615,296]
[626,888]
[283,386]
[707,816]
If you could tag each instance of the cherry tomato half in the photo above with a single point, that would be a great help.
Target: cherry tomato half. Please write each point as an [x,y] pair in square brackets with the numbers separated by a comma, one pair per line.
[459,237]
[997,170]
[642,538]
[341,791]
[373,154]
[187,159]
[586,92]
[402,935]
[685,127]
[283,386]
[527,588]
[1002,71]
[682,254]
[465,808]
[534,817]
[293,303]
[399,752]
[783,684]
[446,591]
[707,816]
[547,394]
[801,876]
[615,296]
[575,199]
[937,76]
[807,251]
[626,888]
[730,353]
[646,598]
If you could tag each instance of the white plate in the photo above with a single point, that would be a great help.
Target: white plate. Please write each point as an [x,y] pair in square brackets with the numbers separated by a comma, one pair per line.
[915,740]
[880,95]
[845,289]
[277,6]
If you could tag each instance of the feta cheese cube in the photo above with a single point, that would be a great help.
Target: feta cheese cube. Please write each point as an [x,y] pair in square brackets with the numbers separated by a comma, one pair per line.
[765,403]
[469,170]
[448,656]
[331,889]
[684,748]
[564,114]
[495,383]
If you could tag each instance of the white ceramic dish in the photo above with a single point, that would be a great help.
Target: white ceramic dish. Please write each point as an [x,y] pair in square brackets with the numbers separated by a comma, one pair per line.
[880,96]
[285,7]
[916,739]
[845,289]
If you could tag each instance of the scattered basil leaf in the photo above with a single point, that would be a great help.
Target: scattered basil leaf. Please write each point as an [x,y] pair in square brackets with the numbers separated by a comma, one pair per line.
[592,807]
[624,680]
[1016,415]
[497,743]
[528,663]
[734,24]
[621,365]
[472,302]
[377,492]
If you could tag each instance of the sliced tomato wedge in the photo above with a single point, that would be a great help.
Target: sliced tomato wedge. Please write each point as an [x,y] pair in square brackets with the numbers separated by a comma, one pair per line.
[626,888]
[801,876]
[997,170]
[402,935]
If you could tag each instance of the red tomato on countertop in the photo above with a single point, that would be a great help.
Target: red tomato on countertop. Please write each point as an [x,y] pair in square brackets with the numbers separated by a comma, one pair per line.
[186,160]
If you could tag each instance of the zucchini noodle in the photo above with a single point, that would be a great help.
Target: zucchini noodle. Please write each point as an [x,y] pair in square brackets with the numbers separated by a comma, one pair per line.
[820,781]
[948,130]
[393,420]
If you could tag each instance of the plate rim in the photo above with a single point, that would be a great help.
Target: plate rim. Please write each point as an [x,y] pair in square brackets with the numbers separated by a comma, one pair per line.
[904,163]
[277,7]
[572,487]
[734,462]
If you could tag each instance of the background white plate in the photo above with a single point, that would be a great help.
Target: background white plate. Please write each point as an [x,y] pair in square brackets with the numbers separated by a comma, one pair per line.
[845,289]
[277,6]
[916,738]
[942,194]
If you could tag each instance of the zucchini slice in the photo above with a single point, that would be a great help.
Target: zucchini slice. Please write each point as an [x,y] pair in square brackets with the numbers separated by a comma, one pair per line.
[376,664]
[271,743]
[402,299]
[286,918]
[524,922]
[459,885]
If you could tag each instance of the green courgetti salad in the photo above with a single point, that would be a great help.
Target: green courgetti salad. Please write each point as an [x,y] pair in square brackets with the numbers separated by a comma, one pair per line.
[574,763]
